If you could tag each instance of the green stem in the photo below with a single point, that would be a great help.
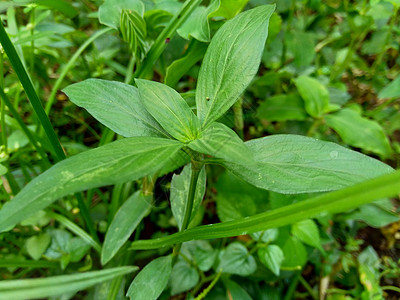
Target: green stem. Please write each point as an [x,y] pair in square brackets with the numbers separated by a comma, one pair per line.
[160,43]
[196,168]
[32,24]
[31,93]
[383,52]
[308,287]
[292,287]
[69,65]
[75,229]
[42,116]
[3,112]
[24,128]
[204,293]
[238,117]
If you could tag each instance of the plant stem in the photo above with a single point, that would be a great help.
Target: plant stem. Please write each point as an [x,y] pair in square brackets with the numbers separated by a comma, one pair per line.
[308,287]
[379,58]
[31,93]
[69,65]
[24,128]
[42,116]
[292,286]
[238,117]
[3,113]
[196,168]
[160,43]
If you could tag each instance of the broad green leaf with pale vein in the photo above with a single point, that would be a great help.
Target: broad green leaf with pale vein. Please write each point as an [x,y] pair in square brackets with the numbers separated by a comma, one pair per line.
[179,193]
[231,62]
[120,161]
[57,285]
[128,217]
[357,131]
[338,201]
[152,280]
[292,164]
[222,142]
[116,105]
[169,109]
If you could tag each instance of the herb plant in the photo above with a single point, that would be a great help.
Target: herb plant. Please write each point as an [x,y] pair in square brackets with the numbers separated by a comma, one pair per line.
[161,134]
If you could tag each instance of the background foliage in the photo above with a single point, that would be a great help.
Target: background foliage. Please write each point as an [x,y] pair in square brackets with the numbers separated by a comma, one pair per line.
[330,70]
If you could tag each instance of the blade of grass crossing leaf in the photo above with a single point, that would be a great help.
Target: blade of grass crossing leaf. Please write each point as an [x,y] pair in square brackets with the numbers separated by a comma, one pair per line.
[57,285]
[75,229]
[30,92]
[160,43]
[334,202]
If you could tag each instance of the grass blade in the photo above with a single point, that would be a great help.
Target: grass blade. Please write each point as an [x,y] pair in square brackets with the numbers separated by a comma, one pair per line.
[57,285]
[334,202]
[31,93]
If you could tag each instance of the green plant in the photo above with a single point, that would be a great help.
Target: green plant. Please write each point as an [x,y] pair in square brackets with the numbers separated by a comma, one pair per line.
[162,134]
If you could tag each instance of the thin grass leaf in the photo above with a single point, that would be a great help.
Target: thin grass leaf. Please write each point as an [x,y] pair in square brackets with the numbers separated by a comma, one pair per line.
[57,285]
[334,202]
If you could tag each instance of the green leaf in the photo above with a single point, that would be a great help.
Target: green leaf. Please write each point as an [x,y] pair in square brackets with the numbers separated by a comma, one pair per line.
[334,202]
[125,221]
[37,245]
[220,141]
[62,6]
[377,214]
[360,132]
[301,45]
[57,285]
[229,8]
[231,61]
[297,164]
[116,105]
[197,25]
[183,277]
[200,253]
[295,254]
[180,190]
[307,232]
[272,257]
[282,108]
[181,66]
[134,32]
[120,161]
[110,11]
[238,199]
[170,110]
[152,280]
[235,291]
[3,171]
[314,94]
[392,90]
[235,259]
[66,248]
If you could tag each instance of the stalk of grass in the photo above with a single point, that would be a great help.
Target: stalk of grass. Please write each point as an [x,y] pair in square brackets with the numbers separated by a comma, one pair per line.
[41,115]
[24,128]
[31,93]
[160,43]
[69,65]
